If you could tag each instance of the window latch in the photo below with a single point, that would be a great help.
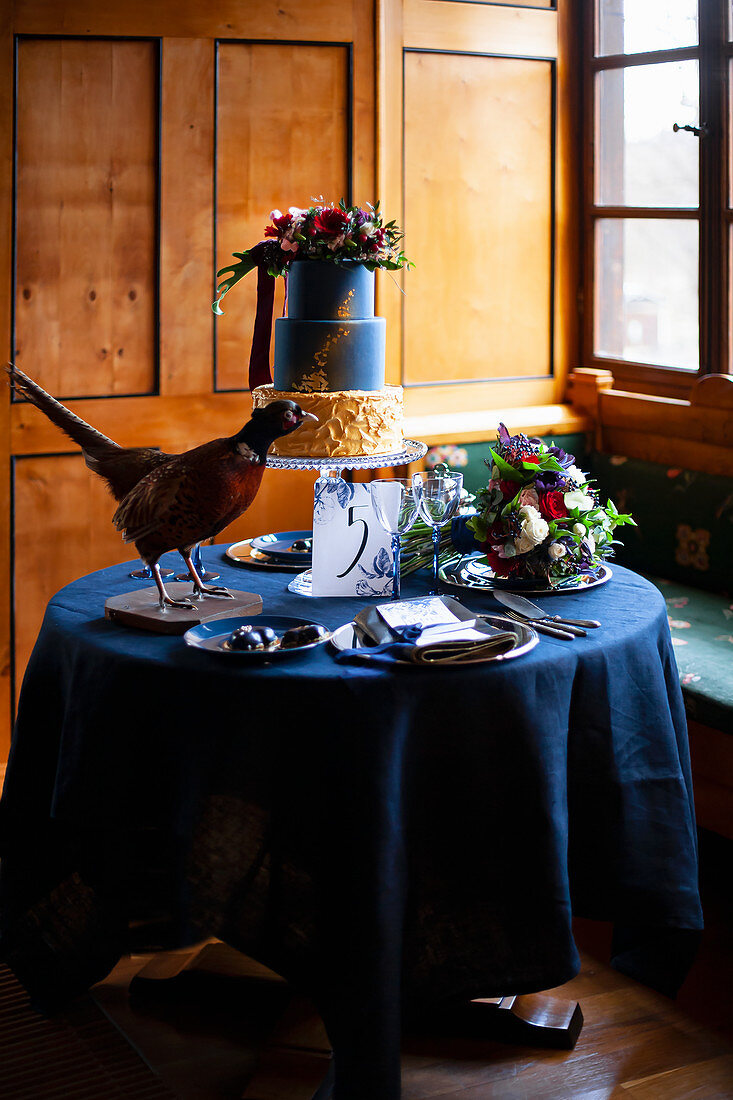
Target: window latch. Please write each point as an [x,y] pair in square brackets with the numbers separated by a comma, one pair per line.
[698,131]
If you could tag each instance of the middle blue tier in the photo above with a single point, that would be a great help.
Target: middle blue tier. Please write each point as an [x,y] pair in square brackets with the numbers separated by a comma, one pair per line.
[320,356]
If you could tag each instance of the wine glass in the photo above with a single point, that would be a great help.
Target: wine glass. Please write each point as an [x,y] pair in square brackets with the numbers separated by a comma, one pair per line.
[437,496]
[396,509]
[145,573]
[198,564]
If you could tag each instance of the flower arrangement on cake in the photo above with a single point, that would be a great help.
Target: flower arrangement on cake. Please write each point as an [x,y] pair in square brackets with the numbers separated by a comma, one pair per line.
[333,233]
[540,517]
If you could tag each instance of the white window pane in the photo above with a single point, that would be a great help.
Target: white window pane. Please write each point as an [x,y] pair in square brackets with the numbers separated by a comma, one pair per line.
[646,287]
[641,160]
[636,26]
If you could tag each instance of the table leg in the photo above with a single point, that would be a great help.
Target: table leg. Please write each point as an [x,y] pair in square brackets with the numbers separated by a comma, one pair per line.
[534,1019]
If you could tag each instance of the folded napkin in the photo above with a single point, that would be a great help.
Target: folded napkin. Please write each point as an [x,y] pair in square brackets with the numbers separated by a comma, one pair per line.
[384,644]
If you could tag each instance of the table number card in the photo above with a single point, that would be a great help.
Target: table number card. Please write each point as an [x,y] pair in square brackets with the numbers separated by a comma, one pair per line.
[352,553]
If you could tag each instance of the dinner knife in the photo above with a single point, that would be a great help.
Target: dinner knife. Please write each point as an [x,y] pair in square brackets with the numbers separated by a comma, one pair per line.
[530,610]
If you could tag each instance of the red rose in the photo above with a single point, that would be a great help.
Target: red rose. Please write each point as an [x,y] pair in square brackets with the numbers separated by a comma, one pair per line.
[279,225]
[530,458]
[503,567]
[552,505]
[331,222]
[508,488]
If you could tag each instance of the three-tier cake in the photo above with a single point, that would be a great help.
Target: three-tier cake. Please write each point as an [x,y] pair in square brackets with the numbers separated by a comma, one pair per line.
[329,357]
[330,349]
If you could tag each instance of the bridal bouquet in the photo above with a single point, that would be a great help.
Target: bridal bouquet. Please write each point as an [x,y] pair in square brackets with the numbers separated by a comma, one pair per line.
[540,516]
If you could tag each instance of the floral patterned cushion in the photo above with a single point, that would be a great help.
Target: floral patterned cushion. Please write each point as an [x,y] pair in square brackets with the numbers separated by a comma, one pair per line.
[684,517]
[702,635]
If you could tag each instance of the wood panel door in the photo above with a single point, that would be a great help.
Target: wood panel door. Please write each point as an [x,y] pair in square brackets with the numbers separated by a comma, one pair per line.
[142,145]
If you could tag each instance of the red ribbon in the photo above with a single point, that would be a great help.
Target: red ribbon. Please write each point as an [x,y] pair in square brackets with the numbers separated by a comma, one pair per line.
[260,373]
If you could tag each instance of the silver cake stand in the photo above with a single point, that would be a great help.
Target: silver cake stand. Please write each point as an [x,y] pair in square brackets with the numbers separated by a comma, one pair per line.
[411,452]
[332,467]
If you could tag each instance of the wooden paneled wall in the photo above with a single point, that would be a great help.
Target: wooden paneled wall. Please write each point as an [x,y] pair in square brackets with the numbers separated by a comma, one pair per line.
[86,215]
[283,138]
[494,194]
[142,144]
[475,137]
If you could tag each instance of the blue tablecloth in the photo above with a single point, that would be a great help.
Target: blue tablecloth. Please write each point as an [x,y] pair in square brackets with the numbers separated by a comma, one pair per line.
[389,839]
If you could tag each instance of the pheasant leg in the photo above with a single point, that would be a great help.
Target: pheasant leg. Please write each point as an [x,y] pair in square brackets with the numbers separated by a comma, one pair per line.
[201,589]
[165,599]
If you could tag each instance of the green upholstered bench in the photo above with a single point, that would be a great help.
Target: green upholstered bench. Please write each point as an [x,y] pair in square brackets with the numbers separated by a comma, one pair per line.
[684,544]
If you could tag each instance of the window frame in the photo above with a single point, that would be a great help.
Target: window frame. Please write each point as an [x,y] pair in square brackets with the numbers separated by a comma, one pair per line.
[714,52]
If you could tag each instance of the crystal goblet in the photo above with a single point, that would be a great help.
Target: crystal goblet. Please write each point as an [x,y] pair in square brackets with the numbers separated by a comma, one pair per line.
[396,510]
[198,562]
[437,497]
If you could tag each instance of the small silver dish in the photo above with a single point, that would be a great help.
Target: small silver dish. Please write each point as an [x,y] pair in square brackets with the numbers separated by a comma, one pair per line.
[212,635]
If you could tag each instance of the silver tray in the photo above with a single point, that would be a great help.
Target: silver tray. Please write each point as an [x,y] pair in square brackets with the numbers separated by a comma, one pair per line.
[344,637]
[459,577]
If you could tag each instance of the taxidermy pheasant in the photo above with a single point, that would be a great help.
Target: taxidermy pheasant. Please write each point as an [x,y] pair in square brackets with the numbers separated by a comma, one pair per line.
[173,502]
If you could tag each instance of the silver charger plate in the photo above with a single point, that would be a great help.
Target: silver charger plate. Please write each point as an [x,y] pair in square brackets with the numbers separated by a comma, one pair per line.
[244,554]
[474,575]
[211,634]
[344,637]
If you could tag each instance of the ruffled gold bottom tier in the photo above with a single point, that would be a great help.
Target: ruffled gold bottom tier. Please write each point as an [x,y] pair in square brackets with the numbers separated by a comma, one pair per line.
[350,422]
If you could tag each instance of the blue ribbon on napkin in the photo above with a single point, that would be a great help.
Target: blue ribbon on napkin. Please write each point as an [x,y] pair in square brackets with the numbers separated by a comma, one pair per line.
[405,638]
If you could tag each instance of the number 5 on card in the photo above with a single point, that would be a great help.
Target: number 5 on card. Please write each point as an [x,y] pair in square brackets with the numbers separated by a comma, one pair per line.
[351,551]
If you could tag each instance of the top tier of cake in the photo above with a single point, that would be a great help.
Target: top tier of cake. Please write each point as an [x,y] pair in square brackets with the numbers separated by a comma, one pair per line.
[330,341]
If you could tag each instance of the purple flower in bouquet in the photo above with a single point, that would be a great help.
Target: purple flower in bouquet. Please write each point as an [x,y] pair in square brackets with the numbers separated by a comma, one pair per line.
[562,456]
[548,480]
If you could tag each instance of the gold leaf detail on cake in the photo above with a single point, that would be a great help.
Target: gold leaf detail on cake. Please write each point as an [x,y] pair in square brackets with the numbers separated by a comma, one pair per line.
[321,357]
[316,381]
[343,310]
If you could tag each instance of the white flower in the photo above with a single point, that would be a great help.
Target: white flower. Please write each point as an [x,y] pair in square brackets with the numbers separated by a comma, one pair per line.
[556,550]
[297,212]
[579,529]
[591,543]
[275,214]
[534,529]
[577,475]
[578,499]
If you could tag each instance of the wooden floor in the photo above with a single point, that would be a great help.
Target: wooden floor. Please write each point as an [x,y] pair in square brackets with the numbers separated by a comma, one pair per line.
[635,1044]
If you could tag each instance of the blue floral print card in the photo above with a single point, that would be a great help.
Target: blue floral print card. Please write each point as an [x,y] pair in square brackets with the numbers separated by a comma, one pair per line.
[351,551]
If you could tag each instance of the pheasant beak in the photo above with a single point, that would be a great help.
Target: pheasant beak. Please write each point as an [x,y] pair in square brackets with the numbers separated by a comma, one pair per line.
[309,416]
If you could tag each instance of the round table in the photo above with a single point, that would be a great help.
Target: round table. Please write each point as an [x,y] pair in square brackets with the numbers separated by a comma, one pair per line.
[385,838]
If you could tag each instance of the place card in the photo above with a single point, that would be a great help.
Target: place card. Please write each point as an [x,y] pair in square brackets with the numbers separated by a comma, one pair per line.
[352,553]
[435,616]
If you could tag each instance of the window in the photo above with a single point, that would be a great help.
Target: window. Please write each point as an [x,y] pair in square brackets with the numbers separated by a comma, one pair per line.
[658,224]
